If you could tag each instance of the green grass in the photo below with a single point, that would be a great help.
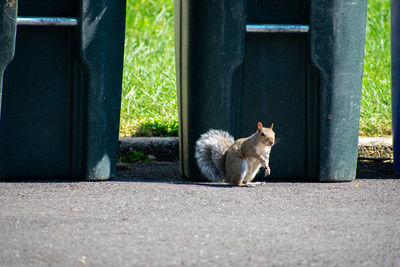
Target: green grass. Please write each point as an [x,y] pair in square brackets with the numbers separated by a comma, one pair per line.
[149,105]
[148,90]
[376,96]
[134,157]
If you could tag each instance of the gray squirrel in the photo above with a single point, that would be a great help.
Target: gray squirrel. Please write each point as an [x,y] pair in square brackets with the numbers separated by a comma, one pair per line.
[221,159]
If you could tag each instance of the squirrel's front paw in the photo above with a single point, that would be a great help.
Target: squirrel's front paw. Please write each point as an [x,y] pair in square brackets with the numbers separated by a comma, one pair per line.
[267,171]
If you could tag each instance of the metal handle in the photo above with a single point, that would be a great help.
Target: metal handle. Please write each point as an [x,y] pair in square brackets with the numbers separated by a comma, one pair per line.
[276,28]
[47,21]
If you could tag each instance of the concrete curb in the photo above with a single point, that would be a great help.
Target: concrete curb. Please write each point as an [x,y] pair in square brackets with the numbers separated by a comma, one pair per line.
[155,148]
[375,148]
[167,148]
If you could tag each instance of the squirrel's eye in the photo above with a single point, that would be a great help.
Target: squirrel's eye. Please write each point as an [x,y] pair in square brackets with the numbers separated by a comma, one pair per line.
[262,134]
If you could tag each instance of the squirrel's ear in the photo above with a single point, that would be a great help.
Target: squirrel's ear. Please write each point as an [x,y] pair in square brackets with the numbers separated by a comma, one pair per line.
[259,126]
[272,126]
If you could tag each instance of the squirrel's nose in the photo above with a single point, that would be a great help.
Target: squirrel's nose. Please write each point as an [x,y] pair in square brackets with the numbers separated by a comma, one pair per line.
[271,142]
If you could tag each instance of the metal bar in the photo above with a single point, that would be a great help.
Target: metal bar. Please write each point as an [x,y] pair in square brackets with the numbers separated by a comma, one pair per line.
[276,28]
[47,21]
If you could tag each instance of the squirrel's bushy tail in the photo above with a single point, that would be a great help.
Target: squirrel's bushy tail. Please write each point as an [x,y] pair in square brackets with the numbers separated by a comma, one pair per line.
[210,153]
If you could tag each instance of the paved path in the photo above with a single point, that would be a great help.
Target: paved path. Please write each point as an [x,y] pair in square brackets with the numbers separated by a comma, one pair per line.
[148,216]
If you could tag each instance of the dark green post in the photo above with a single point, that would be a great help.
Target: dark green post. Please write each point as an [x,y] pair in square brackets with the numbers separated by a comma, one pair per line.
[337,50]
[101,45]
[8,28]
[61,92]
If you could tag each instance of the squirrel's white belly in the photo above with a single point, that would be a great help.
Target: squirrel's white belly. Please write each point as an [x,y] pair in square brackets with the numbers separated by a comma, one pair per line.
[250,168]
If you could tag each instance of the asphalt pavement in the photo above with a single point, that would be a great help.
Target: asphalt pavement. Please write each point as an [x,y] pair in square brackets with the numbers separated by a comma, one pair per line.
[149,216]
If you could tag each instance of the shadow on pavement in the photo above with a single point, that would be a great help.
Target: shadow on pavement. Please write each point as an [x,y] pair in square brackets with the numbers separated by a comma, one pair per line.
[168,172]
[375,169]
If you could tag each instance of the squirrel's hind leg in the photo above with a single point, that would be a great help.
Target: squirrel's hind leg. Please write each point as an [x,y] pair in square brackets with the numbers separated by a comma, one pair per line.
[243,171]
[237,175]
